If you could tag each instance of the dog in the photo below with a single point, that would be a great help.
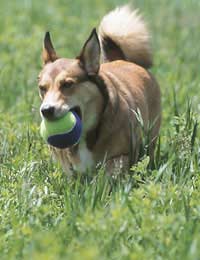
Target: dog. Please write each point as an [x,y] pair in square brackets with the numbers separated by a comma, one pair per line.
[110,87]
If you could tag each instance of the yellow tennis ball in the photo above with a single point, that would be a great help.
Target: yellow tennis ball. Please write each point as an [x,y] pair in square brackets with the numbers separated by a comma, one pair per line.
[59,126]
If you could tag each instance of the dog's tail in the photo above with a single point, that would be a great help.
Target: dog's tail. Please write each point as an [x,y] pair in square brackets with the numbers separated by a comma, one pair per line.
[123,35]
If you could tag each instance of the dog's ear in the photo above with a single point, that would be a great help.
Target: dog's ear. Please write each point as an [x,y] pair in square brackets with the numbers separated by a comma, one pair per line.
[48,53]
[90,54]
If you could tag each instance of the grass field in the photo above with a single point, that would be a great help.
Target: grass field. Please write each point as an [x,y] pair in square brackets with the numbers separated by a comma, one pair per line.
[148,215]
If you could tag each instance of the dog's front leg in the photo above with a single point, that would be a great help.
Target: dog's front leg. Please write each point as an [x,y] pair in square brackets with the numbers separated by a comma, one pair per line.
[117,165]
[62,156]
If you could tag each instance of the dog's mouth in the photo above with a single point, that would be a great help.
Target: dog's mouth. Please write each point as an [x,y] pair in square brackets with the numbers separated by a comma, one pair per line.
[77,110]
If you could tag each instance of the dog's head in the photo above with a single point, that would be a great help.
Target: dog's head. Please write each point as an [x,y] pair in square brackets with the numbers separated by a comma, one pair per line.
[65,84]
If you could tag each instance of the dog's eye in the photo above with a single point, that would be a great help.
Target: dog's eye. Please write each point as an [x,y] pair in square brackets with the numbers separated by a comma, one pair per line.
[67,84]
[43,90]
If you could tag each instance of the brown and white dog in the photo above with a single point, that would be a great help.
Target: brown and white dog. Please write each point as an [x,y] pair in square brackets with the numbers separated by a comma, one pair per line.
[107,84]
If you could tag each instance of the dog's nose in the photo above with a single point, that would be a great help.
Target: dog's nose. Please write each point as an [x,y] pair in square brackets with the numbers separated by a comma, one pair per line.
[48,111]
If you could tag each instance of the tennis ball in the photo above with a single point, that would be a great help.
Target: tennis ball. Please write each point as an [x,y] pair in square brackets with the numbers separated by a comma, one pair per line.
[59,126]
[63,132]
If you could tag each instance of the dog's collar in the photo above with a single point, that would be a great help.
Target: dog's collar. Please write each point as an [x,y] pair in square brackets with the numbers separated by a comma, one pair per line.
[93,135]
[99,82]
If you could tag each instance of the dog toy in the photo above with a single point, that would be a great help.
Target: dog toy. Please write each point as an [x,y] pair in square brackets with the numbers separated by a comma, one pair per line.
[63,132]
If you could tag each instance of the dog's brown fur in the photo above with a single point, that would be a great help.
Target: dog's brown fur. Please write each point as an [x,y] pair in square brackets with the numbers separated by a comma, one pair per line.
[108,95]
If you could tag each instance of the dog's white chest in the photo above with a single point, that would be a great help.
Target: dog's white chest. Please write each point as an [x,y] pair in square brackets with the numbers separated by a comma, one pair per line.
[86,160]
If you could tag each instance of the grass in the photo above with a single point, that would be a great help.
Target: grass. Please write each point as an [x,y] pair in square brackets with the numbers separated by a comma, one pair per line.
[151,214]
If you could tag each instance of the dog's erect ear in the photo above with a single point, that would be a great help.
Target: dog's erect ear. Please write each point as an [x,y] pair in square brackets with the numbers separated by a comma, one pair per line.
[90,54]
[48,53]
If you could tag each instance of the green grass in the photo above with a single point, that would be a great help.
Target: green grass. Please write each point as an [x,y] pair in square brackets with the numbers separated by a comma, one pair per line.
[152,214]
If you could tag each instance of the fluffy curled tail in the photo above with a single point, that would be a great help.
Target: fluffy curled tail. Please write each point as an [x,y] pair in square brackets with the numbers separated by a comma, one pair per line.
[123,35]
